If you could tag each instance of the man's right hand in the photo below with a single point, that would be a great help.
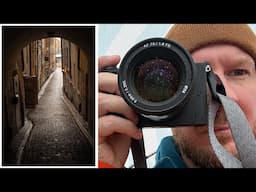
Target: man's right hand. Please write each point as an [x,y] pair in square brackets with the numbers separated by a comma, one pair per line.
[115,131]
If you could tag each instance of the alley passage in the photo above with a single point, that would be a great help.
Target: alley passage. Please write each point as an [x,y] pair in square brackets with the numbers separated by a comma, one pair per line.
[55,138]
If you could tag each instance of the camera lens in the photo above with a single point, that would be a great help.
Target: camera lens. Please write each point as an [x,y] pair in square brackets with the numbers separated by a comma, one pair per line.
[156,77]
[156,80]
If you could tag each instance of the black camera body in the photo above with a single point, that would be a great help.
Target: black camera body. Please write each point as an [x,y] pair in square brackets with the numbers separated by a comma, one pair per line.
[159,80]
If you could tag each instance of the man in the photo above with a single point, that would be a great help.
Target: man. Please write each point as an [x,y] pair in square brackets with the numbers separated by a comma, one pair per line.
[231,52]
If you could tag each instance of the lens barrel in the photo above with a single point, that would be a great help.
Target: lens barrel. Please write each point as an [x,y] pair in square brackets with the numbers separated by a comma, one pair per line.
[156,76]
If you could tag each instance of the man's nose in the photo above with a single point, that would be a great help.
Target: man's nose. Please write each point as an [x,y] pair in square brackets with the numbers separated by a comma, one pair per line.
[228,87]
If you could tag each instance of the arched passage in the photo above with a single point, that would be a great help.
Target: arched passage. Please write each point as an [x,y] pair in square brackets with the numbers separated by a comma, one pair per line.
[14,39]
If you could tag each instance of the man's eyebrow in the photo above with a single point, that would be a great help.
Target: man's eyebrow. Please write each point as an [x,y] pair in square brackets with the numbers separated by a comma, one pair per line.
[242,61]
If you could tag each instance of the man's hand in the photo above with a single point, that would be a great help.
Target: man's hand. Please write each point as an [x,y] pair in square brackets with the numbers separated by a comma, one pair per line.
[117,121]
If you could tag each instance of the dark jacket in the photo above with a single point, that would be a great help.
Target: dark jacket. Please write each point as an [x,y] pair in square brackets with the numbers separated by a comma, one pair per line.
[168,155]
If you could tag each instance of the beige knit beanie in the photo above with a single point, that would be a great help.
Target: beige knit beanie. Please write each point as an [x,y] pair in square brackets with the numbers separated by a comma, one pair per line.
[194,36]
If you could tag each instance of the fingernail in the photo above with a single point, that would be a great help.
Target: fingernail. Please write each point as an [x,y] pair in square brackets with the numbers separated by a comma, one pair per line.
[139,134]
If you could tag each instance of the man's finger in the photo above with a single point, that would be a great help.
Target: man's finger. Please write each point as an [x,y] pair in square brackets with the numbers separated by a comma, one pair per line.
[110,124]
[108,83]
[105,61]
[114,104]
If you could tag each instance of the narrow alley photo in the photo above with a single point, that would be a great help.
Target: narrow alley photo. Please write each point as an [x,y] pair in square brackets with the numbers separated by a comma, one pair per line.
[48,96]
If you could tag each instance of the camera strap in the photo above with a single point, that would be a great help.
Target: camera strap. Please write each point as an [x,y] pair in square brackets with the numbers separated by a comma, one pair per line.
[138,153]
[242,135]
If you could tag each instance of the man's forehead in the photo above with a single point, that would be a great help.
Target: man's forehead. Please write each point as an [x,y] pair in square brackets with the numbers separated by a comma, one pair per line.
[219,49]
[226,53]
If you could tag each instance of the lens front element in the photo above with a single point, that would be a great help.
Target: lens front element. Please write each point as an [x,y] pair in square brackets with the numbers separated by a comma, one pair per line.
[156,80]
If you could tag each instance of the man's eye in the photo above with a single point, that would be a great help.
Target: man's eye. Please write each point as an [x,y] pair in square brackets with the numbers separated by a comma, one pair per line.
[238,72]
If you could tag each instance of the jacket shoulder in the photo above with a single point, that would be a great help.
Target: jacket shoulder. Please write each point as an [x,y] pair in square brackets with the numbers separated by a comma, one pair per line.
[167,155]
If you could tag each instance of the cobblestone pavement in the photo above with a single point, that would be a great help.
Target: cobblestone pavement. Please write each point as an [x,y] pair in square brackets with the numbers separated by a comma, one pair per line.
[55,138]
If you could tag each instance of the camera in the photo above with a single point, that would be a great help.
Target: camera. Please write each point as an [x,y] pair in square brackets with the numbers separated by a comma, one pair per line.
[159,79]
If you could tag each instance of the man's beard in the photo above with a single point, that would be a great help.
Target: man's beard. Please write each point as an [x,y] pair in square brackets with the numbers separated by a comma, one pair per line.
[201,156]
